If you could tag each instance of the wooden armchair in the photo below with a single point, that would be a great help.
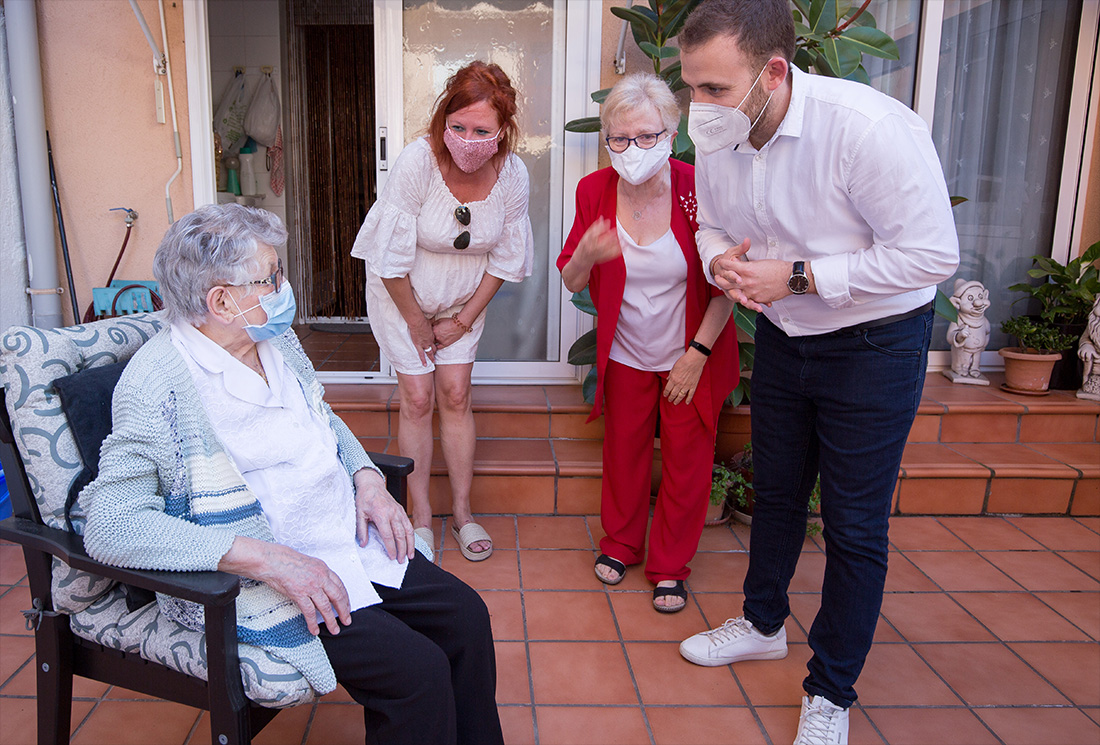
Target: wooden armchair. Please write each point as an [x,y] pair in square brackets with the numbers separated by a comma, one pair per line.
[82,614]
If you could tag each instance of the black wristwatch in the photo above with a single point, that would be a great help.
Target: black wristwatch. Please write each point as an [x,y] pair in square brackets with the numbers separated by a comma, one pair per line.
[798,282]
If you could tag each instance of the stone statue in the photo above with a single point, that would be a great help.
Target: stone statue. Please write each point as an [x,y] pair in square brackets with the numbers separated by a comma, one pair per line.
[969,335]
[1088,349]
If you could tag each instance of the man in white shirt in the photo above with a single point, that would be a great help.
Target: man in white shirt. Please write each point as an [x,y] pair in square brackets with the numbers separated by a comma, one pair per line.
[823,205]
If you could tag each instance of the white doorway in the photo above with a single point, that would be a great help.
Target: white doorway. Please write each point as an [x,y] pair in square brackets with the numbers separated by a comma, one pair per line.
[550,49]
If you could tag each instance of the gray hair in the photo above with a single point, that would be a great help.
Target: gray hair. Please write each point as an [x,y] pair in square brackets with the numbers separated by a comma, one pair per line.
[214,245]
[637,90]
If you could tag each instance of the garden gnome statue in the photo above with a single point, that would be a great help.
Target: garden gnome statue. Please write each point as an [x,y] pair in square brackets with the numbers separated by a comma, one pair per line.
[969,335]
[1088,349]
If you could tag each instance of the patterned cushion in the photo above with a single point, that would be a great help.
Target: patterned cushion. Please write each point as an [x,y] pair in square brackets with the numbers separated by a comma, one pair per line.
[267,680]
[30,360]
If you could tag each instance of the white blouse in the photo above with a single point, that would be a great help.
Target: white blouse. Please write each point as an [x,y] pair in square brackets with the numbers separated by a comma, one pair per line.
[286,452]
[416,210]
[410,231]
[653,314]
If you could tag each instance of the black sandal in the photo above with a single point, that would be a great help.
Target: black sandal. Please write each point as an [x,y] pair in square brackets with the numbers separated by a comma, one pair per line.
[612,564]
[676,590]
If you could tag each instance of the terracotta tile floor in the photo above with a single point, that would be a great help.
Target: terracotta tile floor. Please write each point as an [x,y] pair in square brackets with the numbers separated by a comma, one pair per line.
[990,633]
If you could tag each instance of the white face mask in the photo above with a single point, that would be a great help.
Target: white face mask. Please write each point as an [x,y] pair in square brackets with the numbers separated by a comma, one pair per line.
[636,166]
[713,127]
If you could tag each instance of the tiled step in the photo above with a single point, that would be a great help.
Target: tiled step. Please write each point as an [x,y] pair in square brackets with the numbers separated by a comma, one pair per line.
[971,450]
[980,450]
[535,453]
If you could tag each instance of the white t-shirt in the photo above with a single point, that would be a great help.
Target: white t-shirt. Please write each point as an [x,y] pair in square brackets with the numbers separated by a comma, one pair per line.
[650,331]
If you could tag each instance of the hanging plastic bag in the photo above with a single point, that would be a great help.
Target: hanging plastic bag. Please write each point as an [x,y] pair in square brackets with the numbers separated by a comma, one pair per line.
[262,120]
[229,118]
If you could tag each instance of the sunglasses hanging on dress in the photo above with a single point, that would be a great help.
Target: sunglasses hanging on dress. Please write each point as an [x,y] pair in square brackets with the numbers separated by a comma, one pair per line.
[462,214]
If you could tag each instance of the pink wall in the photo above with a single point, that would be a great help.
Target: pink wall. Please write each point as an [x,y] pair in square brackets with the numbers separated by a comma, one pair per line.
[109,151]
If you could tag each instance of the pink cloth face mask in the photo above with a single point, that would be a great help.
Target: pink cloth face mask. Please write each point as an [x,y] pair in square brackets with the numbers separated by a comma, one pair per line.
[470,155]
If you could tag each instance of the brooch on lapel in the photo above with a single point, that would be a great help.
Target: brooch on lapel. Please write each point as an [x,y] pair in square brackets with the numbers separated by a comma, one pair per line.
[689,204]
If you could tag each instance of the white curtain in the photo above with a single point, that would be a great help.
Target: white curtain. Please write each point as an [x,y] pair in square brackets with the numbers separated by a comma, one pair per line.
[15,308]
[1000,123]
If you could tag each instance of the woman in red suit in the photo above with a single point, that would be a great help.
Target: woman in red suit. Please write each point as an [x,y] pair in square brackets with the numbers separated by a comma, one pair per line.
[663,344]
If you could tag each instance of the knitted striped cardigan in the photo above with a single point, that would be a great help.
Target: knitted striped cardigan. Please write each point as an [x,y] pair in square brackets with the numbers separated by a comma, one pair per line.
[169,497]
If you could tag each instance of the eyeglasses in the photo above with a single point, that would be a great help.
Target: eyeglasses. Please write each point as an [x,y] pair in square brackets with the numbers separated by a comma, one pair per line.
[275,279]
[462,214]
[643,141]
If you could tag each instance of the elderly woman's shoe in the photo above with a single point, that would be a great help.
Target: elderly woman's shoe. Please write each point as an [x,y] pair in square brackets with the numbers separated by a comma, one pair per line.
[428,537]
[467,536]
[676,591]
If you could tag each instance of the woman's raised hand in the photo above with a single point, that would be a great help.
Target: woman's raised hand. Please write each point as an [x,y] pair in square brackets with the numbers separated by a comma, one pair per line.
[600,243]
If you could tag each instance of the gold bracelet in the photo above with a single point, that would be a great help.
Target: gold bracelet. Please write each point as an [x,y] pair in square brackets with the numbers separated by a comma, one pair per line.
[465,329]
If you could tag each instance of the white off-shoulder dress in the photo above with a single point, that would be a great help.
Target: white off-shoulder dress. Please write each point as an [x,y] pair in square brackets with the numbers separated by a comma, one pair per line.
[410,231]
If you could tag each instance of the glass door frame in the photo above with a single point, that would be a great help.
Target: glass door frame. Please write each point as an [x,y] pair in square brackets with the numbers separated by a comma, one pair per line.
[580,38]
[578,35]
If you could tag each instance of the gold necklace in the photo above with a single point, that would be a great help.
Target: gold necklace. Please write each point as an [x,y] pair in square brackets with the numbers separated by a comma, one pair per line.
[258,368]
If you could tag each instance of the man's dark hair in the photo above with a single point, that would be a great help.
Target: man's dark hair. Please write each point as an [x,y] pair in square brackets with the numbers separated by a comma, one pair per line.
[761,28]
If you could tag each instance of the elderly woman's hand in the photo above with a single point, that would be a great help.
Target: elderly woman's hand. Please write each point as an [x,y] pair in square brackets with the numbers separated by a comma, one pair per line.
[600,243]
[684,377]
[307,581]
[373,504]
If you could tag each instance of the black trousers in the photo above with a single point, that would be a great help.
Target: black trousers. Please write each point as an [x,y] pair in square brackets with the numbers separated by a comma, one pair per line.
[421,663]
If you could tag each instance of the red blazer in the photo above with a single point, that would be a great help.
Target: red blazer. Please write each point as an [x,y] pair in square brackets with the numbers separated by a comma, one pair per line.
[596,197]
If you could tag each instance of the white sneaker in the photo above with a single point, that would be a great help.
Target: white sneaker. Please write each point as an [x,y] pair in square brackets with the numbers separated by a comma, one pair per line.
[733,641]
[822,723]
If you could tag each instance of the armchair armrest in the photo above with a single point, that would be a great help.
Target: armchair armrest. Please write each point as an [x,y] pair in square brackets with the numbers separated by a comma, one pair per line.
[395,465]
[396,469]
[205,588]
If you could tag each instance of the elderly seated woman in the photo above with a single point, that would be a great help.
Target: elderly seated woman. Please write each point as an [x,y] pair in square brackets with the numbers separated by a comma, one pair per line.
[225,456]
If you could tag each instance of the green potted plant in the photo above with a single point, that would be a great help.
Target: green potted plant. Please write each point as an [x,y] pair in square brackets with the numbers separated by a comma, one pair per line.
[1065,294]
[733,485]
[1028,366]
[729,491]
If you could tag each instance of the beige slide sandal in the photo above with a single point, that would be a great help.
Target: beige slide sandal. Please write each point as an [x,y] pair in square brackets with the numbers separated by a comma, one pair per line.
[470,534]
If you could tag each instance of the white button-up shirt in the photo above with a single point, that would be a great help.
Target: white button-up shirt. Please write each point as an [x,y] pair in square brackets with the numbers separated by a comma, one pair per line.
[850,182]
[286,452]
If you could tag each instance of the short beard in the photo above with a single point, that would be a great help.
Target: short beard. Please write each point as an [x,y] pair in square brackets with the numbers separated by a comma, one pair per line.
[758,101]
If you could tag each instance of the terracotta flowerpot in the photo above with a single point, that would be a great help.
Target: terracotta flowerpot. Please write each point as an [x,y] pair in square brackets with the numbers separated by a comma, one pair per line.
[1027,372]
[717,514]
[743,513]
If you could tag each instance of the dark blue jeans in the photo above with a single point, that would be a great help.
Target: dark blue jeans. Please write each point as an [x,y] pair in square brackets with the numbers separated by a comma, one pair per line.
[840,404]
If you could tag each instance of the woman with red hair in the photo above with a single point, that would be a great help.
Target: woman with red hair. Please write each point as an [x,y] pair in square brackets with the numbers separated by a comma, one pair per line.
[449,228]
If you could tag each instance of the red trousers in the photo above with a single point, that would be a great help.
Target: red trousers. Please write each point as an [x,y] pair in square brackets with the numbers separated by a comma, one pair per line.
[632,399]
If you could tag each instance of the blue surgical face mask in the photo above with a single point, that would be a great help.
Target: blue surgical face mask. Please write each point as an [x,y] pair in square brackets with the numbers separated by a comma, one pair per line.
[280,308]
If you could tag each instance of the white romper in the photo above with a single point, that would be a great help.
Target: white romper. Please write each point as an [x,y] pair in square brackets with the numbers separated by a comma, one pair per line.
[410,231]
